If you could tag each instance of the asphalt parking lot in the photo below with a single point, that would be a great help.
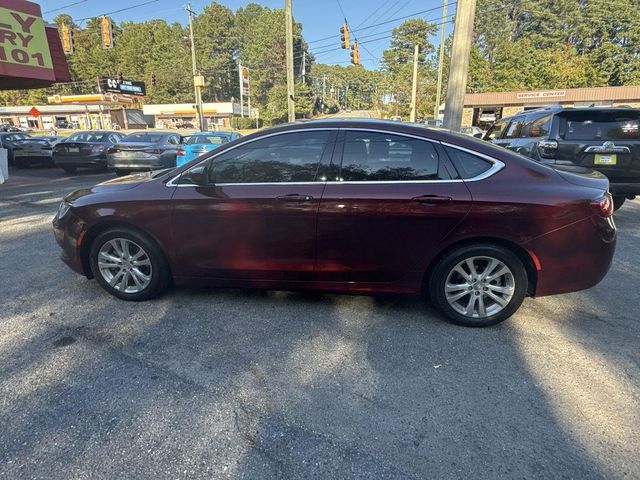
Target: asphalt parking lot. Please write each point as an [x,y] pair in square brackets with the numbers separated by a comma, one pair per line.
[240,384]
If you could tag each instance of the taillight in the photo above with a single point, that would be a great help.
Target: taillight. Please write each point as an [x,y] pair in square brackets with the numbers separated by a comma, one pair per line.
[548,148]
[603,206]
[180,152]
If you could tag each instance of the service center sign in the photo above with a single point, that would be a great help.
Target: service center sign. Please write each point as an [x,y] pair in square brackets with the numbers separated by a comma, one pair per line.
[24,49]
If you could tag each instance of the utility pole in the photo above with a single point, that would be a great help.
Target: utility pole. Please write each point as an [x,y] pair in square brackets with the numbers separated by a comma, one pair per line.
[443,29]
[197,79]
[290,78]
[459,65]
[414,86]
[241,89]
[324,88]
[304,66]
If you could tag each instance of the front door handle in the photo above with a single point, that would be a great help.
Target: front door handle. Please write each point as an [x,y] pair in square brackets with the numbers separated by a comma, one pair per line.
[432,199]
[294,197]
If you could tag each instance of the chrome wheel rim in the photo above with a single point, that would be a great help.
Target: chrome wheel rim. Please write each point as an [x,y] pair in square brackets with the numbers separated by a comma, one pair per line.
[479,287]
[124,265]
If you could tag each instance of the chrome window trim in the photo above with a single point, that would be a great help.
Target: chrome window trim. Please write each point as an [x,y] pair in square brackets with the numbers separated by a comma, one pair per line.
[496,165]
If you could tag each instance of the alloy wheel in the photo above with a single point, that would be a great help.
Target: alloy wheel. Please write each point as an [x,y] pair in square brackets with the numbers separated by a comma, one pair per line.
[124,265]
[479,287]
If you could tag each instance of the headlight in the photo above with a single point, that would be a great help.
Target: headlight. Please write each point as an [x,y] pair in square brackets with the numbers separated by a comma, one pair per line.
[63,209]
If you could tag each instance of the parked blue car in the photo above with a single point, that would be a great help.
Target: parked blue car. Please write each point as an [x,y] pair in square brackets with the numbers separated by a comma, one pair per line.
[203,142]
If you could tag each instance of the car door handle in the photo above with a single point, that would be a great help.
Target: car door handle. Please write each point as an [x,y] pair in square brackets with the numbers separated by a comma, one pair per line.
[294,197]
[432,199]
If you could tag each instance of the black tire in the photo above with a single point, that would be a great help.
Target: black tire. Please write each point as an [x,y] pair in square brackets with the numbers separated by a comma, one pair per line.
[70,169]
[121,173]
[446,264]
[159,271]
[618,202]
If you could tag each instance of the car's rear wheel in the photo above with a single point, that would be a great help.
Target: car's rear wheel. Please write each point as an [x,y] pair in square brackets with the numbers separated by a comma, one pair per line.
[129,265]
[618,201]
[478,285]
[121,173]
[70,169]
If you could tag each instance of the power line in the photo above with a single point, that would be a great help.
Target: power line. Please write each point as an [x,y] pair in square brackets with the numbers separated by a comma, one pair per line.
[118,11]
[382,23]
[65,6]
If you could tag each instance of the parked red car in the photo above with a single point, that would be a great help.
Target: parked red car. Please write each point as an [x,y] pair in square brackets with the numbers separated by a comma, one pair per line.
[357,206]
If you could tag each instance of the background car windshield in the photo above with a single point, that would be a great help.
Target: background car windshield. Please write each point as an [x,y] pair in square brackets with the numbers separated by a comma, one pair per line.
[87,137]
[143,137]
[602,126]
[207,139]
[16,136]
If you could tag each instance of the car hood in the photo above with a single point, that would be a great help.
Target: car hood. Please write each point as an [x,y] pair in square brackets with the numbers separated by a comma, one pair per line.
[116,184]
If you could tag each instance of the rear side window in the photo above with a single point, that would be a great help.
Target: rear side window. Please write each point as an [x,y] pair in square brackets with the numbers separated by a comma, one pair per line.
[372,156]
[599,125]
[496,130]
[515,127]
[467,164]
[538,127]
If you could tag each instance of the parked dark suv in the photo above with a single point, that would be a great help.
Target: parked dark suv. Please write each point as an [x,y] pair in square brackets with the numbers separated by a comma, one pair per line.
[606,139]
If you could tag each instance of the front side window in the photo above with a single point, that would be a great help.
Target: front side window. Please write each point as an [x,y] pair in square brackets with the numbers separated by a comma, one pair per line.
[289,157]
[372,156]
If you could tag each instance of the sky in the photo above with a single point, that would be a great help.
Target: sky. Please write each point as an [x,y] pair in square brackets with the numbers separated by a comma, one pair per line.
[319,18]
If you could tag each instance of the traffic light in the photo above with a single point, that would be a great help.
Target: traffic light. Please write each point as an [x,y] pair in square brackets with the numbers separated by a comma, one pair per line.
[66,34]
[107,27]
[153,79]
[344,35]
[120,77]
[355,53]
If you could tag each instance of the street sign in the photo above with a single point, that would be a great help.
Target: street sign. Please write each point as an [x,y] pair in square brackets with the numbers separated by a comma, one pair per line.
[128,87]
[34,112]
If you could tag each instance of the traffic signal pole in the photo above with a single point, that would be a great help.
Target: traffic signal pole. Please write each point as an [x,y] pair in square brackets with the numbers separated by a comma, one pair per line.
[459,65]
[289,50]
[197,85]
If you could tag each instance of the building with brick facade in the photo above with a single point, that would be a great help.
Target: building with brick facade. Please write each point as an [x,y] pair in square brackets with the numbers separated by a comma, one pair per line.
[482,109]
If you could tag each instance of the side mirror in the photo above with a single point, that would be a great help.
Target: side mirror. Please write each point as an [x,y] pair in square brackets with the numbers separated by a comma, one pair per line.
[478,135]
[199,174]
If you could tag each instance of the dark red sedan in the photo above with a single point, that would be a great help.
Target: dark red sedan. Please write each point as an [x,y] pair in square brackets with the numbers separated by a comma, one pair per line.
[357,206]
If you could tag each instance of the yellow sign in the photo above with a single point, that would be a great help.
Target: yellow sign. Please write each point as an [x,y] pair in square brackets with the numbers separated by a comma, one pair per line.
[23,40]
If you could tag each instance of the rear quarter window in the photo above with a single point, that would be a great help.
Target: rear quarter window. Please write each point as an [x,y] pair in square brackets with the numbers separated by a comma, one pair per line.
[467,164]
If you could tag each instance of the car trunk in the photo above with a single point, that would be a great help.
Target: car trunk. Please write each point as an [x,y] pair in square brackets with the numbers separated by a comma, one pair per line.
[137,150]
[608,141]
[74,148]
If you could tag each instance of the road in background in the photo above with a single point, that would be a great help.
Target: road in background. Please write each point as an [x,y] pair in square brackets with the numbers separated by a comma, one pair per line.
[241,384]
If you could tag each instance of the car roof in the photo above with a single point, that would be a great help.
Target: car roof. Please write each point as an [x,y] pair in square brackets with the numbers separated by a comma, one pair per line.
[555,109]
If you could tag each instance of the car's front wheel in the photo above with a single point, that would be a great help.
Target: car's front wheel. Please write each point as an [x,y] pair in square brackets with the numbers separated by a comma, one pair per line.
[478,285]
[121,173]
[129,265]
[70,169]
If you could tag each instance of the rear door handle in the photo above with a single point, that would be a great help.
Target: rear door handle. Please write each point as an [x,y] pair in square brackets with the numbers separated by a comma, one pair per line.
[432,199]
[294,197]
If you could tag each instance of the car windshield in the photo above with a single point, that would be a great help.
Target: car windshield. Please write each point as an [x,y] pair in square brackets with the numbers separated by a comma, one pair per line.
[207,139]
[614,125]
[87,137]
[143,137]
